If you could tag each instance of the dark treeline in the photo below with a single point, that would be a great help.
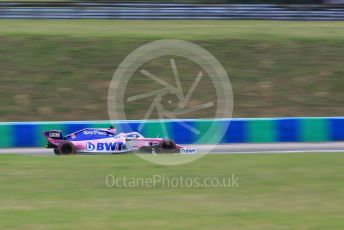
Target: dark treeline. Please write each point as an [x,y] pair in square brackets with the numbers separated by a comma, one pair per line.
[224,1]
[175,1]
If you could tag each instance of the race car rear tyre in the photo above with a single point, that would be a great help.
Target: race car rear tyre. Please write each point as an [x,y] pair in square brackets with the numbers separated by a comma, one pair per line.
[66,148]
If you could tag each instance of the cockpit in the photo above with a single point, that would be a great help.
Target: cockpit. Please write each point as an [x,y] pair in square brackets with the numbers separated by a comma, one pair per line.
[132,135]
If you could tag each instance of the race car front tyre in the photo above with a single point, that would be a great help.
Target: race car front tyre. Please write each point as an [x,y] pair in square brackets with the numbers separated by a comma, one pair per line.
[65,148]
[167,146]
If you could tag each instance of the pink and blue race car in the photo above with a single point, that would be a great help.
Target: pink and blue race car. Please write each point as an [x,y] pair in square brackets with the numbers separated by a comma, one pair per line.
[106,141]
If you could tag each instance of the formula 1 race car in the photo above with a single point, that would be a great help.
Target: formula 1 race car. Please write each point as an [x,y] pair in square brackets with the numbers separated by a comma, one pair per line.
[100,141]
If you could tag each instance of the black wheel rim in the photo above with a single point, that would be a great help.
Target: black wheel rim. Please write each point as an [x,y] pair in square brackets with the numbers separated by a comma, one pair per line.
[67,149]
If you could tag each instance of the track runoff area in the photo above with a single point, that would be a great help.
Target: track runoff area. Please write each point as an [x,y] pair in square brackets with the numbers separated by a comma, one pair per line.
[224,148]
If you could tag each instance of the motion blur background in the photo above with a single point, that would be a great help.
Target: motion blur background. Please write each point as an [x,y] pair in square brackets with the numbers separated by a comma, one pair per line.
[284,59]
[60,69]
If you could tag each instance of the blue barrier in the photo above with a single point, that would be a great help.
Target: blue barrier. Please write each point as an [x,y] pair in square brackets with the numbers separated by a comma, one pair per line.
[250,130]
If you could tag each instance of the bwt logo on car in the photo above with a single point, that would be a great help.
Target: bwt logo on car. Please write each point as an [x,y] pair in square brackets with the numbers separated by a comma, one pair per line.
[90,147]
[109,146]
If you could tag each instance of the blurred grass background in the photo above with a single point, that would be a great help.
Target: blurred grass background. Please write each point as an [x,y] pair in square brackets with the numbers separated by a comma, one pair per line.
[61,69]
[288,191]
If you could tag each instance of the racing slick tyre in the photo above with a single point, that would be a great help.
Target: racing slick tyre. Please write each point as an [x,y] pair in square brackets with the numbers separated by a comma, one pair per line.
[167,146]
[65,148]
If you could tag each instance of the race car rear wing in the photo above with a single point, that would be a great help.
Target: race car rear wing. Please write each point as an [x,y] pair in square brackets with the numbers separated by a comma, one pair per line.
[54,134]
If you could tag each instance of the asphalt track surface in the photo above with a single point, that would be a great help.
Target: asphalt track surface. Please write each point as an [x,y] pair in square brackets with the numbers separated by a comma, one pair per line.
[224,149]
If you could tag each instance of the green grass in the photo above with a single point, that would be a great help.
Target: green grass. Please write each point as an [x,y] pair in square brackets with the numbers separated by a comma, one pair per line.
[288,191]
[180,29]
[61,69]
